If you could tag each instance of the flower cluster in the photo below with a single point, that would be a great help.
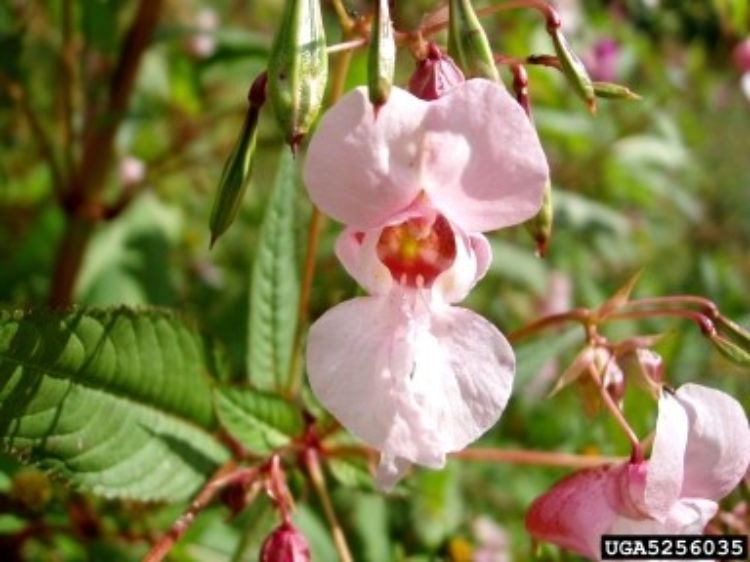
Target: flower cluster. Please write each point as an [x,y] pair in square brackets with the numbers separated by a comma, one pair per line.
[416,186]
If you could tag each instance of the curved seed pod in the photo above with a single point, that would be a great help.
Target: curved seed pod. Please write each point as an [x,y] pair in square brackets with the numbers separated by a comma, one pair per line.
[540,226]
[381,58]
[608,90]
[573,68]
[467,42]
[236,174]
[298,69]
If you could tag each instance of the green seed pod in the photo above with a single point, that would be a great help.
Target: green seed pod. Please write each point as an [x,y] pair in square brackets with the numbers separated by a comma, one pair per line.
[298,69]
[236,174]
[467,42]
[381,58]
[573,69]
[612,91]
[540,226]
[731,350]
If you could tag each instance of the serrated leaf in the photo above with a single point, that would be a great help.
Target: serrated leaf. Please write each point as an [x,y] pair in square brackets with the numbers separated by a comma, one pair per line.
[117,402]
[274,293]
[259,420]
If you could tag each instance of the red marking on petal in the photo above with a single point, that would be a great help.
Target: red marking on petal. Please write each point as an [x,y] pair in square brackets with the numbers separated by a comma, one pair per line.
[417,250]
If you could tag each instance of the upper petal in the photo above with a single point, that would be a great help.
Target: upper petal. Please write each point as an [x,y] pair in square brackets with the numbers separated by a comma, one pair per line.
[578,510]
[718,447]
[473,151]
[361,170]
[484,166]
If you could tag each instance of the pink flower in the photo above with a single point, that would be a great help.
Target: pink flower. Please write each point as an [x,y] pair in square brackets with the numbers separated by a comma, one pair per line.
[403,369]
[701,452]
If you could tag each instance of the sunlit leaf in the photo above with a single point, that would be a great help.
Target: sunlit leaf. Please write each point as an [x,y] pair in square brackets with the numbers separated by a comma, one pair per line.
[117,402]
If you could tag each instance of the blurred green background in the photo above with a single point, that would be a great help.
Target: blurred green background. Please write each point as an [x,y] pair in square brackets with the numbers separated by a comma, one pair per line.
[660,185]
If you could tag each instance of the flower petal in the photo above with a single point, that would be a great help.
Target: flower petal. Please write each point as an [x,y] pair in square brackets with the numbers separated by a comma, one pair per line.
[357,251]
[361,170]
[414,382]
[453,284]
[718,447]
[473,151]
[357,359]
[685,517]
[390,470]
[481,131]
[578,510]
[463,375]
[665,467]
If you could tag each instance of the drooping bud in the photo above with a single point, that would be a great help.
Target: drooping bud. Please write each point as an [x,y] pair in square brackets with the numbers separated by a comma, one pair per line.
[734,330]
[651,364]
[298,69]
[572,67]
[285,544]
[381,61]
[467,42]
[608,90]
[741,56]
[540,226]
[435,75]
[614,381]
[236,174]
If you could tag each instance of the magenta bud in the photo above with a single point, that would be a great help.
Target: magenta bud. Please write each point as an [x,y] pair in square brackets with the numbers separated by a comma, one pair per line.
[651,364]
[435,76]
[285,544]
[741,55]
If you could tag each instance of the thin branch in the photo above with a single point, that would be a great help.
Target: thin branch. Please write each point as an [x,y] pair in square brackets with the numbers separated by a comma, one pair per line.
[312,463]
[614,409]
[223,477]
[98,146]
[345,20]
[551,17]
[580,315]
[67,78]
[18,95]
[539,458]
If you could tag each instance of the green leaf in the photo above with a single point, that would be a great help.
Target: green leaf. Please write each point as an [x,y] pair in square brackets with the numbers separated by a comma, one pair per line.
[436,511]
[351,472]
[274,293]
[259,420]
[117,402]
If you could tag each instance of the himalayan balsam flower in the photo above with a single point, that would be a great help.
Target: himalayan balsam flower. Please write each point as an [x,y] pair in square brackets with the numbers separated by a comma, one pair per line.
[701,452]
[402,369]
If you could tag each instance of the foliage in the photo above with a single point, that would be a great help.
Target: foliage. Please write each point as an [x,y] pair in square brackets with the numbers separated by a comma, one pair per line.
[126,410]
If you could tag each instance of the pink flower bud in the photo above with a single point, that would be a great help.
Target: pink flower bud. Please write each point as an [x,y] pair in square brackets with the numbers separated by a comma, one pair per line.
[285,544]
[435,76]
[651,364]
[741,56]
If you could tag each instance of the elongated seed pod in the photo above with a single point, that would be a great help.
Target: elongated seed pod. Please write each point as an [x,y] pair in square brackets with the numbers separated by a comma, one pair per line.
[611,91]
[236,174]
[381,58]
[573,69]
[540,225]
[467,42]
[298,69]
